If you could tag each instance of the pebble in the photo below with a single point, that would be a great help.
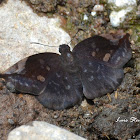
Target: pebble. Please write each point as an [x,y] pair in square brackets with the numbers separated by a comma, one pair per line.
[10,121]
[123,3]
[85,17]
[40,130]
[116,18]
[98,8]
[120,8]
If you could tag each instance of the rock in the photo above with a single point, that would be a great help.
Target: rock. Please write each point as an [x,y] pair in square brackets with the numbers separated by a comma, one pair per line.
[120,9]
[41,131]
[118,17]
[98,8]
[85,17]
[84,103]
[93,13]
[122,3]
[19,26]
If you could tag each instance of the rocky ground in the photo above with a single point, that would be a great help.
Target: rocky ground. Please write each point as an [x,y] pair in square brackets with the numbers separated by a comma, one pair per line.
[92,119]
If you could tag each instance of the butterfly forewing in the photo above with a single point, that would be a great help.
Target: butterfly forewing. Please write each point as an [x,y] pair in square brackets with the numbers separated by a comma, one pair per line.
[104,50]
[122,54]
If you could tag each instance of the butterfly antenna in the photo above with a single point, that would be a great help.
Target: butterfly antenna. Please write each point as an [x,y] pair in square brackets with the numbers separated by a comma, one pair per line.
[42,44]
[57,46]
[75,35]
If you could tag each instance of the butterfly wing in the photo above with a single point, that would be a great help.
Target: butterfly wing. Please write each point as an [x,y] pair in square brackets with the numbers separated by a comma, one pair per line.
[116,54]
[43,75]
[63,90]
[99,79]
[30,74]
[122,54]
[101,63]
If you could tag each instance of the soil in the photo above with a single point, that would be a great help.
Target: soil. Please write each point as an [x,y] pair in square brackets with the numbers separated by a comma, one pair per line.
[92,119]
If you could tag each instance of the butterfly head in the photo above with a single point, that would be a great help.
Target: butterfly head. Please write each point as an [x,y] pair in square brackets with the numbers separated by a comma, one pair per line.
[66,54]
[64,48]
[67,58]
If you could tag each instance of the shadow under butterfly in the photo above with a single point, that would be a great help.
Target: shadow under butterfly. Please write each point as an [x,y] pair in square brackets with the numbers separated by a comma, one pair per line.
[92,69]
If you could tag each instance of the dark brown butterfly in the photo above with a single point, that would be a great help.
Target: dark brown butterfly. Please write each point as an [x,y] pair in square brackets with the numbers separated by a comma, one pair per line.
[92,69]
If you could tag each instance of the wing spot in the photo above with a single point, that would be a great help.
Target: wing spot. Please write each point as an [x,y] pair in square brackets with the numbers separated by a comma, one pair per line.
[58,75]
[118,59]
[97,49]
[99,77]
[68,87]
[26,85]
[85,70]
[90,63]
[40,78]
[106,57]
[70,57]
[48,68]
[125,49]
[15,80]
[91,78]
[34,86]
[98,69]
[66,78]
[93,53]
[41,61]
[53,82]
[20,83]
[33,76]
[93,45]
[123,54]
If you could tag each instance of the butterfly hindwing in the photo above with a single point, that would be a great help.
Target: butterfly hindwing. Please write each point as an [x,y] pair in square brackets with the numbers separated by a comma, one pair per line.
[63,90]
[99,79]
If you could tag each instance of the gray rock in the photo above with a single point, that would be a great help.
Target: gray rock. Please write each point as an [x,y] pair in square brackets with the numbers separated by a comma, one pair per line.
[122,3]
[120,8]
[42,131]
[19,26]
[116,18]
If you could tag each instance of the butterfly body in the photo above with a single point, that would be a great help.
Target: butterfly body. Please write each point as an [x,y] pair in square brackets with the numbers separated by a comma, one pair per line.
[92,69]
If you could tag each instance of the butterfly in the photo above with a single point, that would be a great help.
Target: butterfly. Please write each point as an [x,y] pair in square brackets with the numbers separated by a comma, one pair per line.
[92,69]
